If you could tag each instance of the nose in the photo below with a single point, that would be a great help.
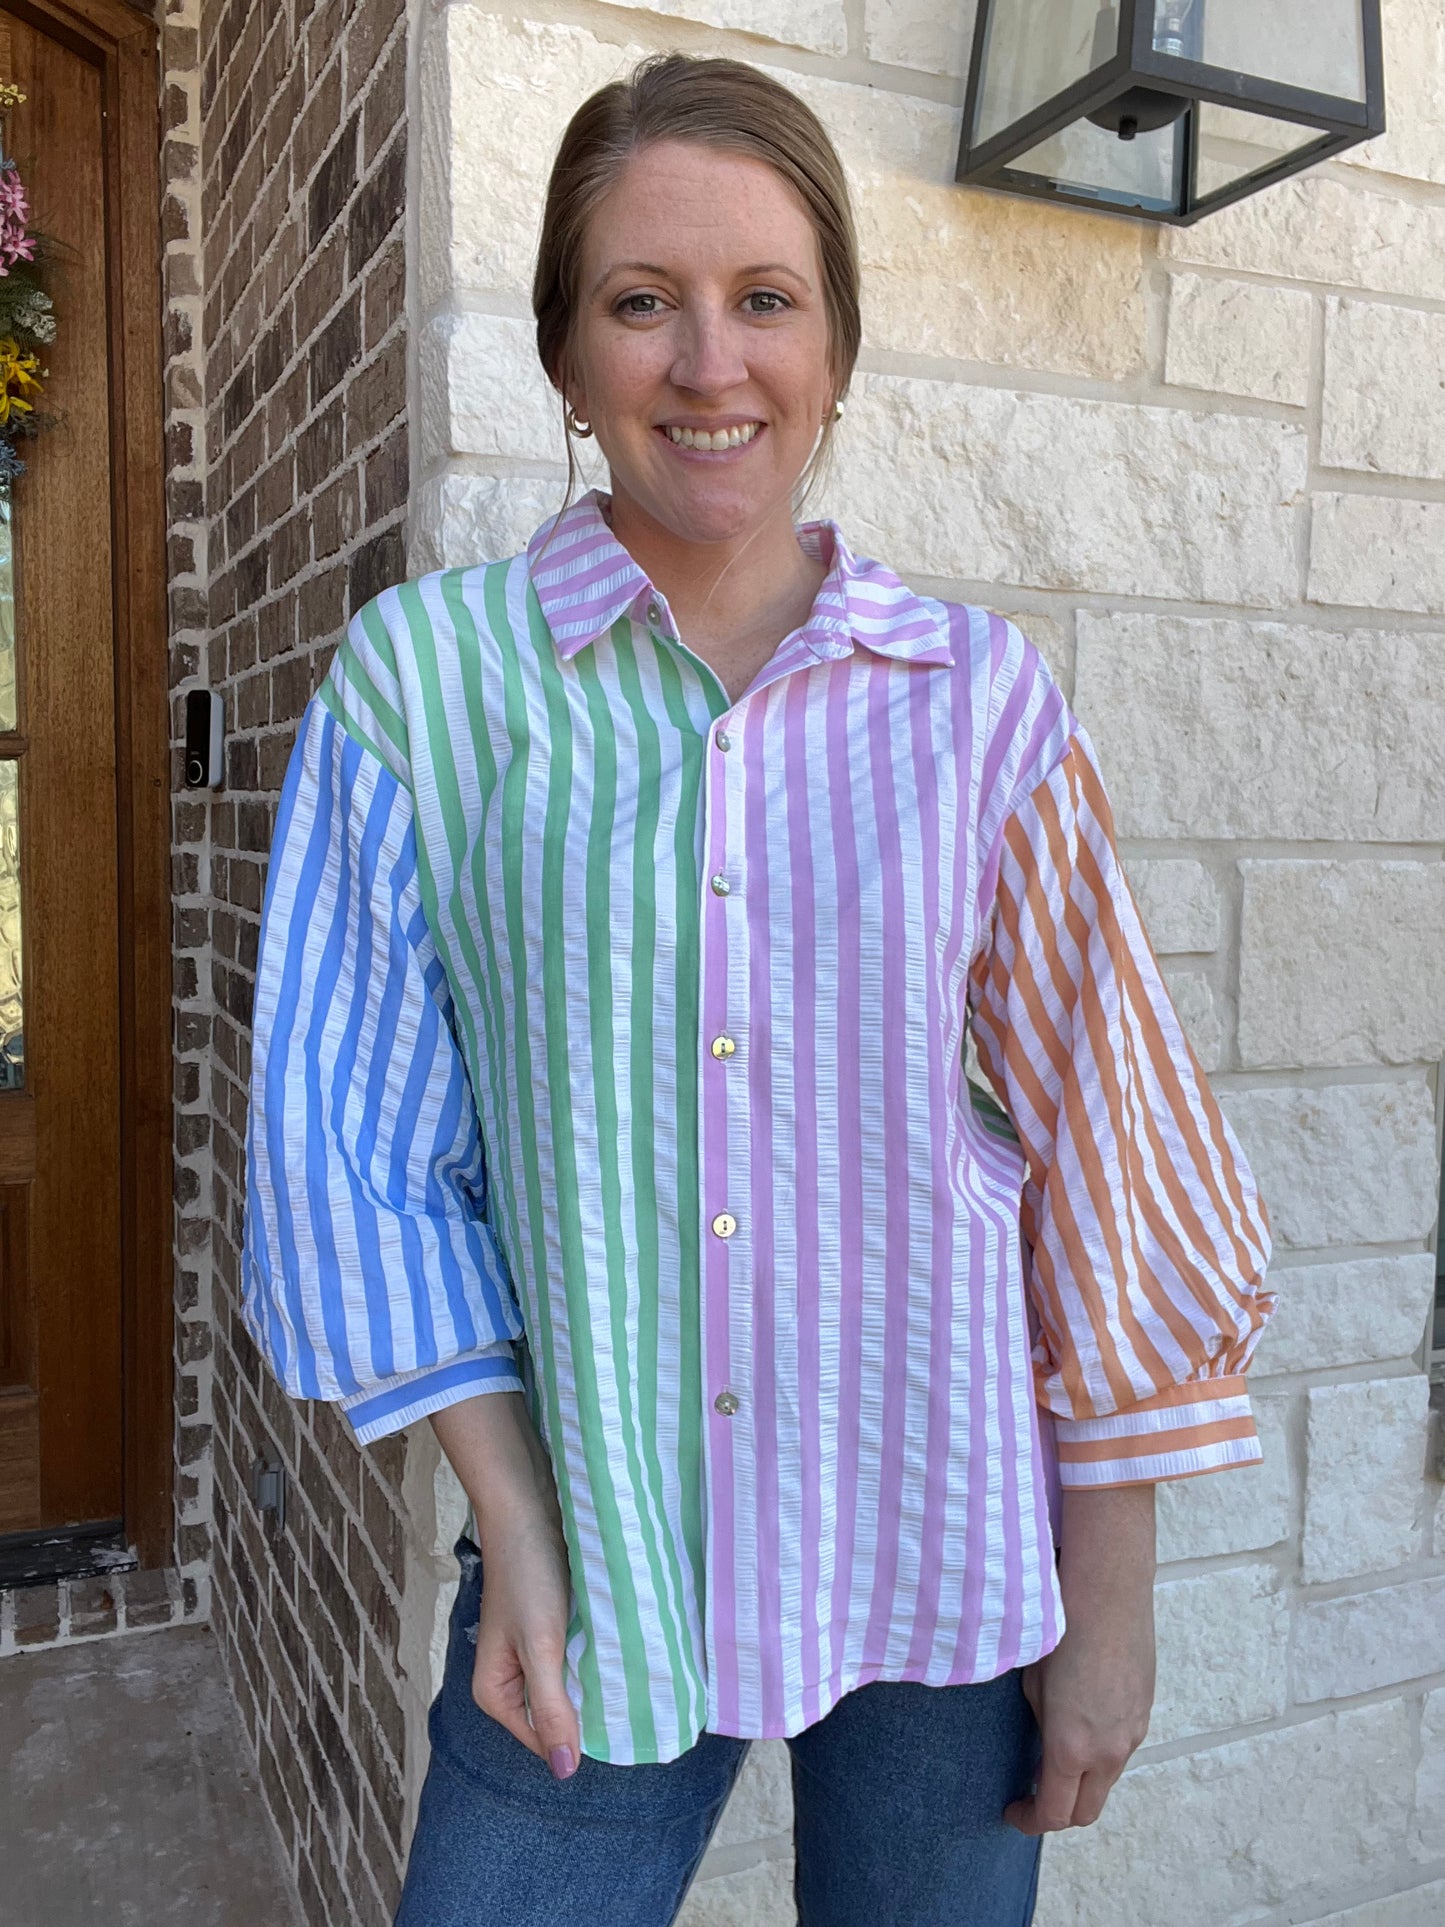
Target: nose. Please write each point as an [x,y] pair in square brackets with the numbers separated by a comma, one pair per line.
[709,360]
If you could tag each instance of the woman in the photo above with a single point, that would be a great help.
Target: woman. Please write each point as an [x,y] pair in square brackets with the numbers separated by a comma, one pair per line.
[628,906]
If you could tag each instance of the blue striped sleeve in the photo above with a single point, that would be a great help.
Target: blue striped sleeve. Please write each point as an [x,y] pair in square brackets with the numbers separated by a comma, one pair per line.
[370,1275]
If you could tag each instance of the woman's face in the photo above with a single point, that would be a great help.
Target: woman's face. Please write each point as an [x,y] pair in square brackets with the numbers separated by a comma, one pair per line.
[700,355]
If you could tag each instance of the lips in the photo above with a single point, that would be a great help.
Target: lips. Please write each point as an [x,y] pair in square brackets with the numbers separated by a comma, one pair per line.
[715,439]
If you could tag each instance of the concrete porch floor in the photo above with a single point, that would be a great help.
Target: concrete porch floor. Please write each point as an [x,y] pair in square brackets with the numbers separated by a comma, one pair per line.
[126,1796]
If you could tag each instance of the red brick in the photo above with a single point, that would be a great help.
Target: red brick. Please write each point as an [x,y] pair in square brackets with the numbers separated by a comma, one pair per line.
[147,1599]
[377,396]
[384,295]
[37,1614]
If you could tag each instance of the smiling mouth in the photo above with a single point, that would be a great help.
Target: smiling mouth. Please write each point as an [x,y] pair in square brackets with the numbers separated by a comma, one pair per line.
[715,439]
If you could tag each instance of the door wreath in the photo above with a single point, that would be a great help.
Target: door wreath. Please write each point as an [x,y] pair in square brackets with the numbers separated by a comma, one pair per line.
[27,318]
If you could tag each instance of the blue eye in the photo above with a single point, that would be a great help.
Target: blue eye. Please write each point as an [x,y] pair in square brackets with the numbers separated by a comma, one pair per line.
[636,304]
[775,303]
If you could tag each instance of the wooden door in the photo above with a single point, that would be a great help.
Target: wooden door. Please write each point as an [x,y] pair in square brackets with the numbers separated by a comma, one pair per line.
[61,934]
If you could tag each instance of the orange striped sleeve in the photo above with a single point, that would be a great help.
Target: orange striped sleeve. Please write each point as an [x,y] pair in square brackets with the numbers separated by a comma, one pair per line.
[1148,1238]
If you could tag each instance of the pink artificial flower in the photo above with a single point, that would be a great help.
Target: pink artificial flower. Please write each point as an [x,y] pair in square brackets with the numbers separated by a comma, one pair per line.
[15,243]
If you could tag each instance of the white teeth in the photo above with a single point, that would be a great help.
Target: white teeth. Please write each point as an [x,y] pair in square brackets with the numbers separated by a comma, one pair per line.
[718,438]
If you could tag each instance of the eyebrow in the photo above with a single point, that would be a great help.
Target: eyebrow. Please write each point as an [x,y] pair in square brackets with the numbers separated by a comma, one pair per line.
[651,267]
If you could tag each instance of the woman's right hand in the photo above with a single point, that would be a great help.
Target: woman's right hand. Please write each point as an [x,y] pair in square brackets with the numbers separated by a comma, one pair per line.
[526,1580]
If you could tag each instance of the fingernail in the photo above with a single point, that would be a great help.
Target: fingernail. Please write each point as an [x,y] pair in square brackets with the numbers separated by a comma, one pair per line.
[562,1764]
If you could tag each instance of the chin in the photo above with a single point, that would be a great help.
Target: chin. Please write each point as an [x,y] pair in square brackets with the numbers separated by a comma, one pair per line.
[719,515]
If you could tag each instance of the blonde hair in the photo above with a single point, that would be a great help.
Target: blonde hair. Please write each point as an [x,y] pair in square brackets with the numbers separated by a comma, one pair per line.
[722,104]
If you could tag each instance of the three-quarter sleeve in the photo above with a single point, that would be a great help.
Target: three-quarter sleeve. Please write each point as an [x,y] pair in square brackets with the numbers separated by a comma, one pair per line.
[370,1273]
[1146,1239]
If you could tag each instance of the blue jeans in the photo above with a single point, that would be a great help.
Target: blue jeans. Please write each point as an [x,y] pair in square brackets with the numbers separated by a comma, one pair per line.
[897,1796]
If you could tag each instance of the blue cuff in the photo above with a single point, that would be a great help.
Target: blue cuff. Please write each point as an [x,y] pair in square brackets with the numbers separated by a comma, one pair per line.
[372,1415]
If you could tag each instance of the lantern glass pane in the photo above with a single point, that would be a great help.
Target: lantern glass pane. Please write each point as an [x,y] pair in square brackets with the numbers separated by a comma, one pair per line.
[1231,144]
[1318,44]
[1090,160]
[1031,53]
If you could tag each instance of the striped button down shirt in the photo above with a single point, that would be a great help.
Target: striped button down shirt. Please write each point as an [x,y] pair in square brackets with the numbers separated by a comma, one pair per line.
[610,1045]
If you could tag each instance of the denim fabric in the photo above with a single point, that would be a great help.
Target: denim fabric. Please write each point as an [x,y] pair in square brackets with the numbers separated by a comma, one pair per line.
[897,1795]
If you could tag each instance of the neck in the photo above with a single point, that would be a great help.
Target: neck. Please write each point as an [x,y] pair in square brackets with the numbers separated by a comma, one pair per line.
[745,593]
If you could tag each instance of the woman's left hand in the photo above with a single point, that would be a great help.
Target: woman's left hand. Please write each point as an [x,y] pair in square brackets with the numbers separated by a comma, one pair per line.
[1092,1694]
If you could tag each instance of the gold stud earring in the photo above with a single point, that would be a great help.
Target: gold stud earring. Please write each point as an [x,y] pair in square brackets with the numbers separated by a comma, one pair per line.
[837,411]
[581,429]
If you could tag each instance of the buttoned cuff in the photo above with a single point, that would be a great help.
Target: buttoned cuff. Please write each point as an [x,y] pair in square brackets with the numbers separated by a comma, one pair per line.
[1205,1426]
[401,1401]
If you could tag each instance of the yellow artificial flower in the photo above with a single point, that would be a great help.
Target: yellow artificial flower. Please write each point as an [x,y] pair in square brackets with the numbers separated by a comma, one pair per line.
[19,376]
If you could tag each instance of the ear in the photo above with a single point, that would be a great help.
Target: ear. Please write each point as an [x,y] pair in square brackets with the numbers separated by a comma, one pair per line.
[570,387]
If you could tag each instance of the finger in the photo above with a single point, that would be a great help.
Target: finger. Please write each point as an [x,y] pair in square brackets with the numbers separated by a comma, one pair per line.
[500,1691]
[1094,1790]
[1050,1808]
[1031,1680]
[554,1718]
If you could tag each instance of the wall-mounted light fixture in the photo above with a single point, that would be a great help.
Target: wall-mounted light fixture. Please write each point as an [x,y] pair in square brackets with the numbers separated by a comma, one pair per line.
[1166,109]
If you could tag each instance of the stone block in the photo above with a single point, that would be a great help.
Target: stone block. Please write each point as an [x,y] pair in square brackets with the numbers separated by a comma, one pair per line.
[495,97]
[970,276]
[1384,390]
[482,391]
[920,33]
[1368,1640]
[1223,1644]
[1415,1907]
[820,25]
[761,1802]
[1363,1311]
[1192,995]
[969,483]
[1321,227]
[1239,338]
[1216,1836]
[1429,1840]
[1341,963]
[757,1896]
[1244,1509]
[457,520]
[1344,1164]
[1414,142]
[1378,552]
[1178,903]
[1364,1480]
[1254,730]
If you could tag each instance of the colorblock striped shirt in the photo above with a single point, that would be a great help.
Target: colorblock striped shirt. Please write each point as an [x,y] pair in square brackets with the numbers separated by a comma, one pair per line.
[610,1045]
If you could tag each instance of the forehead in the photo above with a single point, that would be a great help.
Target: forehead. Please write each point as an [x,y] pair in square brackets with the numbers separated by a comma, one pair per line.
[685,200]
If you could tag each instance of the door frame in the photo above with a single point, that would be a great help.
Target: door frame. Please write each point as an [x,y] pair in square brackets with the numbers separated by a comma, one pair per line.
[123,44]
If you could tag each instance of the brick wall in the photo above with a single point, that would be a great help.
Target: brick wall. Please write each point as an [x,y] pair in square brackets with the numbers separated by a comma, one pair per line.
[286,344]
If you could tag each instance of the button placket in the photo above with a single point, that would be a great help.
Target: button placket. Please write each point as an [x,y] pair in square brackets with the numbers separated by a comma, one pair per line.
[727,1314]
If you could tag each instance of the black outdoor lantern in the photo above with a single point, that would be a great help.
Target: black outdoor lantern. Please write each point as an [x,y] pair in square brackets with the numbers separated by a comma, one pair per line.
[1166,109]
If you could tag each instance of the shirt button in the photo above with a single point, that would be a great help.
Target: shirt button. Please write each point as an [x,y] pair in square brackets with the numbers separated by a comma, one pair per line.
[724,1224]
[720,885]
[654,612]
[723,1046]
[723,741]
[726,1403]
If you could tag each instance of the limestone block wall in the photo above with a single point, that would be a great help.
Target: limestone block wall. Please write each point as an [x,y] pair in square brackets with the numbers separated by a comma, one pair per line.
[1205,469]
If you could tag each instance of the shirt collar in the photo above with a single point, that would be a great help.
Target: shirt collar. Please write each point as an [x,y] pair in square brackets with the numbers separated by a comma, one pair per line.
[585,580]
